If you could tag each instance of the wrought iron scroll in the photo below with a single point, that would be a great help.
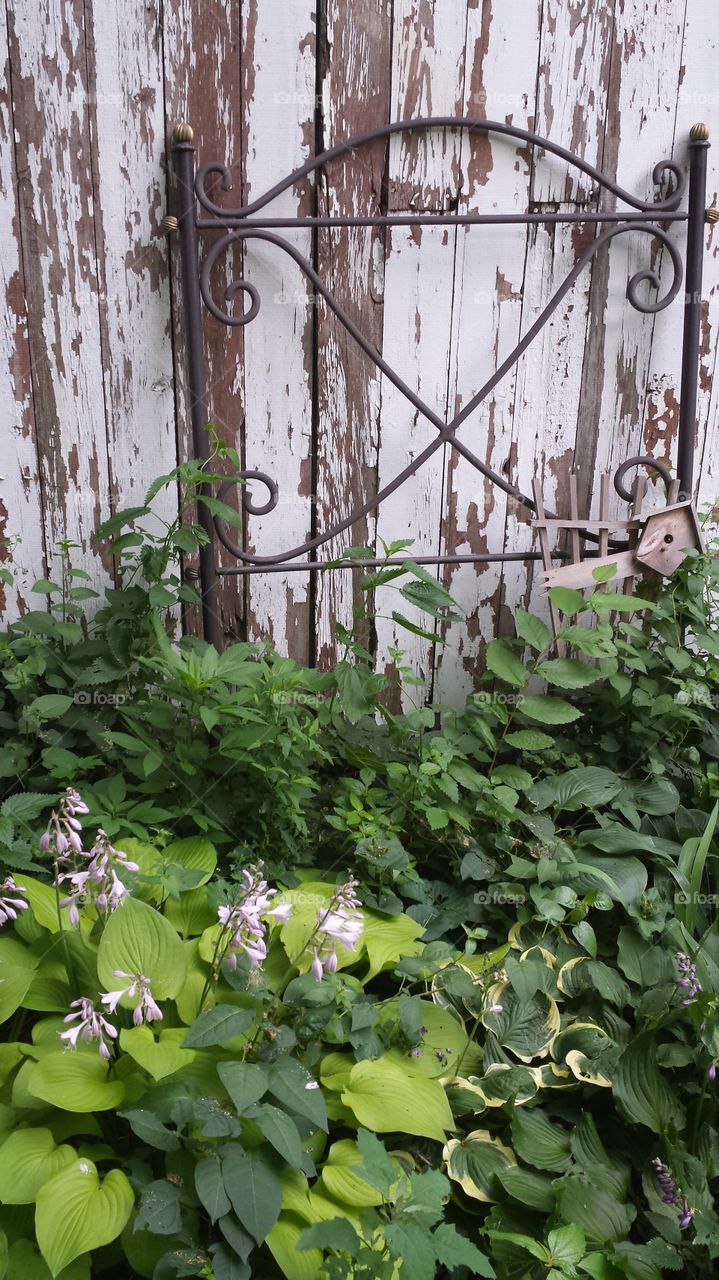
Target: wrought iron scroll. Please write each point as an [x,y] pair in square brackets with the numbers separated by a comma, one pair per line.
[199,214]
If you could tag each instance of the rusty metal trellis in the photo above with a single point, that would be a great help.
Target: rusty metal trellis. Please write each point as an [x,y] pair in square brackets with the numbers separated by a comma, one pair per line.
[198,217]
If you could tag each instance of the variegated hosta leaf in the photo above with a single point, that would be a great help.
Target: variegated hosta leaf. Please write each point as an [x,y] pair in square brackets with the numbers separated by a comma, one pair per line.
[475,1161]
[586,1069]
[526,1027]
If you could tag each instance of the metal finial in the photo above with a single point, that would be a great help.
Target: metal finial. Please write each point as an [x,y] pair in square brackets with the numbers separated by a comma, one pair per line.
[699,133]
[168,225]
[712,214]
[183,133]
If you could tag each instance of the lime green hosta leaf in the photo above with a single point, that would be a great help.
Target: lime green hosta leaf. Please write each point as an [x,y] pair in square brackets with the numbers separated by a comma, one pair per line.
[195,853]
[388,939]
[385,1099]
[308,902]
[641,1091]
[160,1057]
[24,1260]
[138,940]
[43,902]
[342,1180]
[476,1161]
[191,913]
[76,1213]
[17,969]
[442,1047]
[296,1263]
[28,1158]
[75,1081]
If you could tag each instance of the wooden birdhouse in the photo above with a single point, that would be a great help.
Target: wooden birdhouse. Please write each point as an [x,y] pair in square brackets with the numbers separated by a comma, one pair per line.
[666,536]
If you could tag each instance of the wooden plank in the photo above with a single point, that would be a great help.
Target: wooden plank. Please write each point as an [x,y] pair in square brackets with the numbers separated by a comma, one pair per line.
[428,64]
[696,101]
[21,515]
[572,102]
[356,37]
[500,84]
[278,79]
[640,133]
[55,185]
[127,120]
[201,46]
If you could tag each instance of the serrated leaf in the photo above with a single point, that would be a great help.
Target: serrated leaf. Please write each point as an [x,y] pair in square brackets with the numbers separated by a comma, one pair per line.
[532,630]
[548,710]
[455,1250]
[502,662]
[568,673]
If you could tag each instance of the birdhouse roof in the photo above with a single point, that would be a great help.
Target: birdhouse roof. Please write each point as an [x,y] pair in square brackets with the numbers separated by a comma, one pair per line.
[688,508]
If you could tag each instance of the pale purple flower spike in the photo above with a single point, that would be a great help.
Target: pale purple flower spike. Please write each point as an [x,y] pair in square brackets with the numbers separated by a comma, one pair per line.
[687,977]
[99,884]
[341,923]
[673,1194]
[146,1010]
[9,906]
[245,920]
[62,836]
[89,1025]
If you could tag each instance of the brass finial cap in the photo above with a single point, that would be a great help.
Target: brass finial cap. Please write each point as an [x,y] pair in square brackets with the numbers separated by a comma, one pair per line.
[168,225]
[699,133]
[183,133]
[712,214]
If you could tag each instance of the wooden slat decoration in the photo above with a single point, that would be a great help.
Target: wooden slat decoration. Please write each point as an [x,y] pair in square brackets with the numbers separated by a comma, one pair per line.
[278,98]
[92,351]
[21,515]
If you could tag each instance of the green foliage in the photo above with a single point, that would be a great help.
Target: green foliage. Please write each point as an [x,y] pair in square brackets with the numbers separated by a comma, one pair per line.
[480,1079]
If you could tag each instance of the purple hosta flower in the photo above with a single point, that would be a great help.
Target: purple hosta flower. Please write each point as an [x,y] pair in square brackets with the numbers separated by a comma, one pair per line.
[687,977]
[712,1072]
[89,1025]
[494,1008]
[62,837]
[338,923]
[245,920]
[672,1193]
[9,907]
[146,1010]
[99,883]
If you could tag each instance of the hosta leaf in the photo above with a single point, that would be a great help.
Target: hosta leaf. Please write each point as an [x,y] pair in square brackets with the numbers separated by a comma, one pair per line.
[342,1177]
[642,1092]
[17,969]
[161,1057]
[296,1261]
[28,1158]
[385,1099]
[540,1142]
[587,1200]
[583,788]
[388,939]
[139,940]
[76,1213]
[476,1161]
[534,1190]
[43,902]
[75,1082]
[524,1026]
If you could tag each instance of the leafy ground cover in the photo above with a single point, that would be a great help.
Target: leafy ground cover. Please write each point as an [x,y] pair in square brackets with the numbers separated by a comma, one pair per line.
[292,984]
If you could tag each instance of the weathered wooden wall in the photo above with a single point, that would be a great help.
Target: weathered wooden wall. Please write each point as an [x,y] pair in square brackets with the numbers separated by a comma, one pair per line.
[92,394]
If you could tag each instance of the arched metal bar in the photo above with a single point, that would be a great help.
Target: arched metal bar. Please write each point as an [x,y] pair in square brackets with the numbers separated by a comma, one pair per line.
[446,431]
[641,460]
[471,124]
